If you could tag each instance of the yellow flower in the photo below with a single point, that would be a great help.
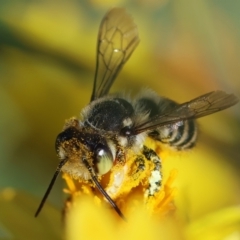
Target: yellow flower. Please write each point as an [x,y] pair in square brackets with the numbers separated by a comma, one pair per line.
[87,221]
[89,216]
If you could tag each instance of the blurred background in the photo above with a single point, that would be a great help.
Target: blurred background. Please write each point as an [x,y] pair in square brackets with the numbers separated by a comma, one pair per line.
[47,63]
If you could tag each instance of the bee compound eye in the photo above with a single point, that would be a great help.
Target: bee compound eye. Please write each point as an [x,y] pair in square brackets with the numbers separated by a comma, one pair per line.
[104,160]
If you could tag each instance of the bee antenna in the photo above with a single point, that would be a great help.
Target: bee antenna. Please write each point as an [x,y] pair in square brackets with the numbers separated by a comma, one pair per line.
[50,186]
[102,191]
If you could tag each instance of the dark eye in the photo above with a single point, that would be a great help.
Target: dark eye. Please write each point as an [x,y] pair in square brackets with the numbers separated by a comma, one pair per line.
[126,131]
[104,160]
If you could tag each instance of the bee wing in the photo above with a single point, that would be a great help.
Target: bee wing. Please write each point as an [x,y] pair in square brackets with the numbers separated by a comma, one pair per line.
[199,107]
[117,39]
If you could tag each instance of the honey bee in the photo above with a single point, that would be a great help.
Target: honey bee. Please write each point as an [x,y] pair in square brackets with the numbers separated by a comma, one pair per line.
[111,125]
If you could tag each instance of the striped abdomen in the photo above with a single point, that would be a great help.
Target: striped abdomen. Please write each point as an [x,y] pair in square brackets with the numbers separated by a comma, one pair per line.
[181,135]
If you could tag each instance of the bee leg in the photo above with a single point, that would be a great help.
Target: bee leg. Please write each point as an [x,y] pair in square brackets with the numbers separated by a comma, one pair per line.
[155,179]
[139,167]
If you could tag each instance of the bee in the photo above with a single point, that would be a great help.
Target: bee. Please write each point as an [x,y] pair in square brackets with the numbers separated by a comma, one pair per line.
[111,125]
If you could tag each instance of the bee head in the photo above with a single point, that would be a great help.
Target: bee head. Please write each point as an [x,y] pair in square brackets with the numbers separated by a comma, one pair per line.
[86,153]
[83,154]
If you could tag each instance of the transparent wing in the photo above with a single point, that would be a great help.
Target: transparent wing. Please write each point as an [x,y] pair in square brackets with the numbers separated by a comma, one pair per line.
[199,107]
[117,39]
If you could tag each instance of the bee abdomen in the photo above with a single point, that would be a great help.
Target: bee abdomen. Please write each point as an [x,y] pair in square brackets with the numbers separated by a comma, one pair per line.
[179,137]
